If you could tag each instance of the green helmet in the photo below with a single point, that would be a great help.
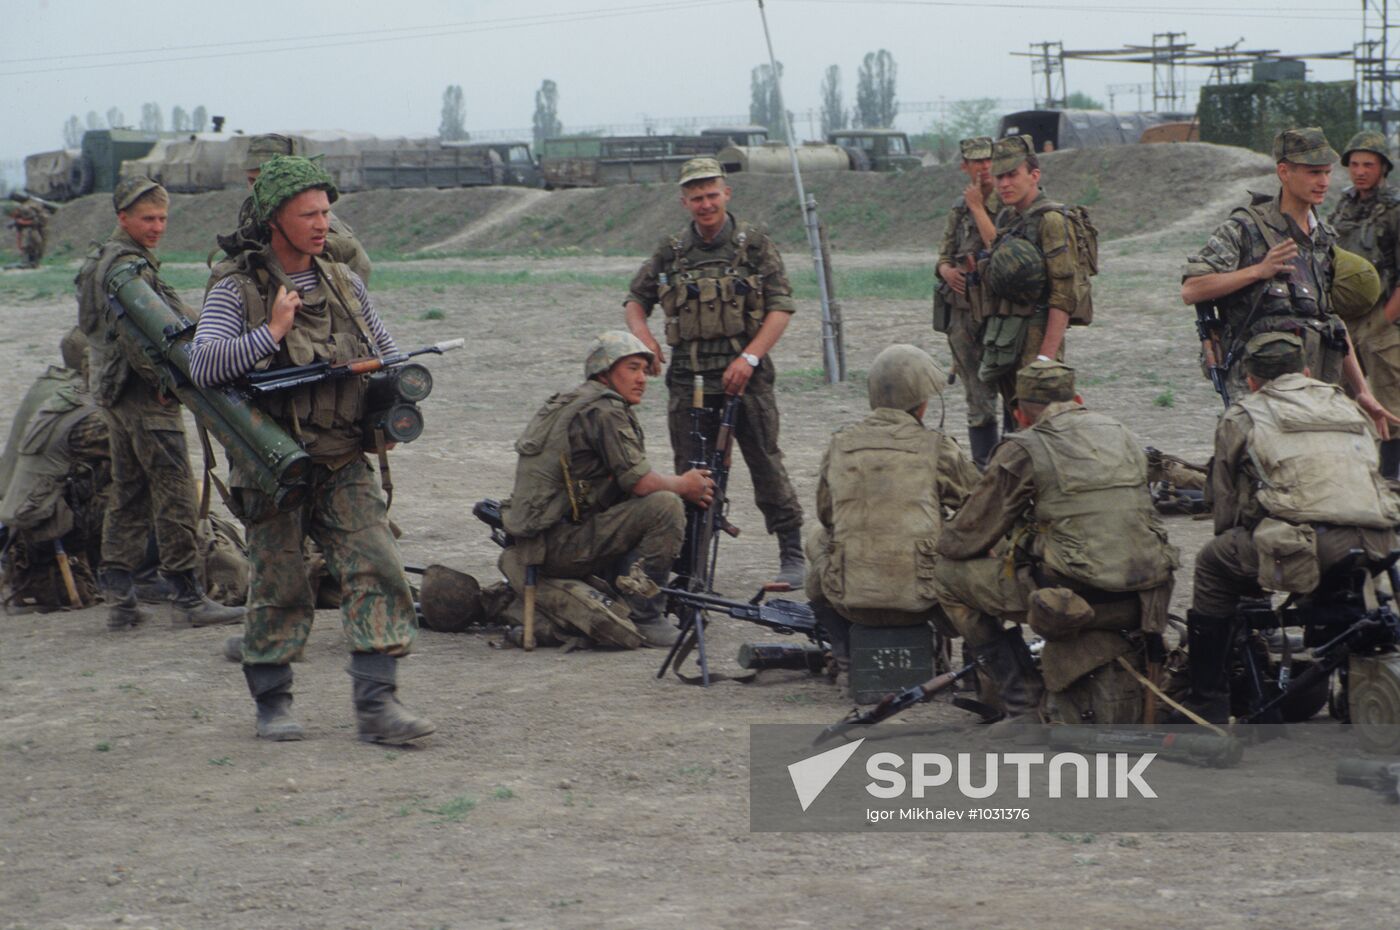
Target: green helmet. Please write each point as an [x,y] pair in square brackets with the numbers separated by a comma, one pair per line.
[1368,141]
[1356,285]
[902,377]
[1017,271]
[285,176]
[610,348]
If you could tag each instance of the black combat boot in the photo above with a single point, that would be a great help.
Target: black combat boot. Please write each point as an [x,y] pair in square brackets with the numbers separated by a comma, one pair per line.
[1007,661]
[648,613]
[1208,646]
[1390,459]
[153,588]
[194,608]
[982,439]
[271,687]
[838,633]
[378,714]
[119,591]
[792,565]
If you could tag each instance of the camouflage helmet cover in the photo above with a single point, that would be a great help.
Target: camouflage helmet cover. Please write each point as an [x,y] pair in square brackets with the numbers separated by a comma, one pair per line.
[450,600]
[131,189]
[1356,285]
[902,377]
[285,176]
[1045,382]
[1016,271]
[265,146]
[1368,141]
[612,347]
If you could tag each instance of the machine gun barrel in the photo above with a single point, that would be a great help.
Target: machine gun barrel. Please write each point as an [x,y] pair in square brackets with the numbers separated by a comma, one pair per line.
[781,616]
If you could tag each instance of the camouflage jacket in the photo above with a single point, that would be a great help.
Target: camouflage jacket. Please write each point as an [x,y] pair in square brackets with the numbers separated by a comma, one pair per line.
[1370,227]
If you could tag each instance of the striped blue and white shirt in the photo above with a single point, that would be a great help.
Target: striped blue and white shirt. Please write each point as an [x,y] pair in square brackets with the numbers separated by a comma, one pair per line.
[225,350]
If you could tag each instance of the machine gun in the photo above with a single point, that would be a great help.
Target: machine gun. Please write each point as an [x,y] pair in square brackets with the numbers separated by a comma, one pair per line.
[1210,328]
[695,568]
[396,387]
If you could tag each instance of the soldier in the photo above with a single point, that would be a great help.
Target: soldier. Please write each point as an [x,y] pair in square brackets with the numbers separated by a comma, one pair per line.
[884,486]
[970,227]
[1037,283]
[30,218]
[280,305]
[1059,533]
[151,480]
[586,501]
[1367,222]
[1295,488]
[341,244]
[726,300]
[1268,268]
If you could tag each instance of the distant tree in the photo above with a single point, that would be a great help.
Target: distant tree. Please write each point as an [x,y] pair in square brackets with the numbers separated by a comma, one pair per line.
[765,101]
[199,119]
[834,114]
[1082,101]
[876,107]
[453,127]
[93,120]
[546,119]
[179,119]
[964,119]
[151,118]
[72,133]
[116,119]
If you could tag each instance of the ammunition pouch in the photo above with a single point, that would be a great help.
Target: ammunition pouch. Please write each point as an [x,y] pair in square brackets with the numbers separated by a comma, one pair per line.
[711,303]
[1002,343]
[942,307]
[1287,553]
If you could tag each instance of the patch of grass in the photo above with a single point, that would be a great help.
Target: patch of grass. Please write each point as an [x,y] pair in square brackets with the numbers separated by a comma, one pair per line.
[1091,194]
[798,699]
[699,772]
[432,313]
[1165,399]
[103,747]
[1075,838]
[454,810]
[502,793]
[399,277]
[562,903]
[1129,842]
[222,760]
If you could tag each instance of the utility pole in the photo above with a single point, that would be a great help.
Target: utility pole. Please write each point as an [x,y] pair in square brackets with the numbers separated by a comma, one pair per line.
[1047,58]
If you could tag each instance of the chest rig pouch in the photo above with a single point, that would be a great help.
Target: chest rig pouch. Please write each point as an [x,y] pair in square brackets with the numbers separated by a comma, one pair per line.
[719,299]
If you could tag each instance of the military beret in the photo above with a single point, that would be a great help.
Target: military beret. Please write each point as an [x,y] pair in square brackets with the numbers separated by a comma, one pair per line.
[1303,147]
[977,148]
[1010,152]
[701,169]
[129,190]
[264,146]
[1043,382]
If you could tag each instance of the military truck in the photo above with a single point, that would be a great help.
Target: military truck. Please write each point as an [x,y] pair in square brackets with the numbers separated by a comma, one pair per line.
[518,165]
[876,149]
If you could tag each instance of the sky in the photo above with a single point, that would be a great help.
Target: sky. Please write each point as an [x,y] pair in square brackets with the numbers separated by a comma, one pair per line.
[382,67]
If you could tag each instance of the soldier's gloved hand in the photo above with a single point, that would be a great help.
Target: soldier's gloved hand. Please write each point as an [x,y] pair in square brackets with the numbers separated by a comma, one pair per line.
[697,487]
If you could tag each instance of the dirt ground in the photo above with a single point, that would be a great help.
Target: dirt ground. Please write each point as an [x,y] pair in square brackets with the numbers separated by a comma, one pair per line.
[578,790]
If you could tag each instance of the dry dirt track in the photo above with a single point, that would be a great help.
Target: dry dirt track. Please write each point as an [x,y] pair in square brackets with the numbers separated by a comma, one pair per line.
[572,791]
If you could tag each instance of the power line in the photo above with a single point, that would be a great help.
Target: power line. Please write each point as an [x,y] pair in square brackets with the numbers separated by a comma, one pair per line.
[1257,12]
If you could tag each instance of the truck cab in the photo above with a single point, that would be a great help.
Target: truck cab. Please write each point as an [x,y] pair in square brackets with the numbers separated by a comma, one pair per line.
[876,149]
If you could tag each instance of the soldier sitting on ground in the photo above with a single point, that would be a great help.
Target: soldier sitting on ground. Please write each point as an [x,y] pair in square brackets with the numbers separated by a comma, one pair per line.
[586,501]
[1058,533]
[884,486]
[1295,487]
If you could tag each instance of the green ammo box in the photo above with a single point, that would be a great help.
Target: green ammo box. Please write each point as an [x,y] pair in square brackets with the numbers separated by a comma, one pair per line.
[888,659]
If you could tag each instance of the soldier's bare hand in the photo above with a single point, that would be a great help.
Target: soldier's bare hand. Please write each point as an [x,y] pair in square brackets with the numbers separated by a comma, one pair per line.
[972,196]
[1278,259]
[284,311]
[1382,417]
[696,487]
[956,279]
[658,360]
[736,376]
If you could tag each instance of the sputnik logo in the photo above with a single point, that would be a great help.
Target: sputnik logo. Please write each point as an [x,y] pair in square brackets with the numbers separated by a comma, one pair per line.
[811,775]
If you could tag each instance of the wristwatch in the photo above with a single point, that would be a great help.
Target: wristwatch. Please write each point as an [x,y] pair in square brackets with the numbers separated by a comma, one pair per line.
[749,357]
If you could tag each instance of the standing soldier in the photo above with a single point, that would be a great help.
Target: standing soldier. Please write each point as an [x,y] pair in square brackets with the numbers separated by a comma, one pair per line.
[283,305]
[1367,222]
[957,301]
[1269,268]
[1037,278]
[30,219]
[726,299]
[151,479]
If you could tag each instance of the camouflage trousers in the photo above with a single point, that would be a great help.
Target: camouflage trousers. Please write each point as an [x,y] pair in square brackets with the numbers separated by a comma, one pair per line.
[346,516]
[756,431]
[965,344]
[1377,345]
[31,243]
[651,527]
[978,594]
[152,485]
[1227,567]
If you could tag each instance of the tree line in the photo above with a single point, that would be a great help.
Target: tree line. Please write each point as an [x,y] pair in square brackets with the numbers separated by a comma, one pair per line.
[876,104]
[152,120]
[545,122]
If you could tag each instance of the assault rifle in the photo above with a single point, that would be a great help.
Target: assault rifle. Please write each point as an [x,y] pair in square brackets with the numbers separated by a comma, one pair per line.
[283,379]
[695,568]
[1209,327]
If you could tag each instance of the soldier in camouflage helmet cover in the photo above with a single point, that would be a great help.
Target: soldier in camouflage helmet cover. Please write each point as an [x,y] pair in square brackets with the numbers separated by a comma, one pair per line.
[1367,222]
[152,485]
[586,501]
[286,304]
[1295,487]
[969,229]
[726,300]
[882,490]
[1269,267]
[1062,504]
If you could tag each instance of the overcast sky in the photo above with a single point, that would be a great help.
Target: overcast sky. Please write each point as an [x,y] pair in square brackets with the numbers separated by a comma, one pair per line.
[381,67]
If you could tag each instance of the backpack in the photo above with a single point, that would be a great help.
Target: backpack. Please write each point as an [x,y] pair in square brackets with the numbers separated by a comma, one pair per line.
[1086,265]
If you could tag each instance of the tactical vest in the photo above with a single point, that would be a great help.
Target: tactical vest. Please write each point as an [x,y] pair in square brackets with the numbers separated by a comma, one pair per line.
[719,298]
[1247,311]
[886,514]
[1369,228]
[326,418]
[544,495]
[1314,456]
[38,458]
[1094,521]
